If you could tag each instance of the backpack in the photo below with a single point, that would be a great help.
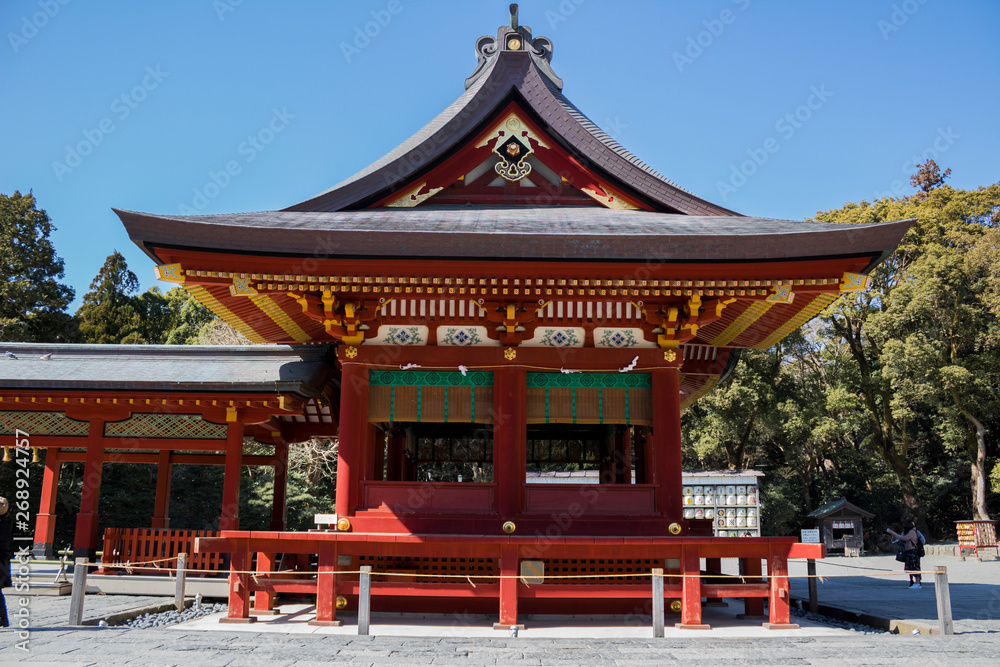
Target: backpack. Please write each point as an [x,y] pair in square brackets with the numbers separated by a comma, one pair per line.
[920,544]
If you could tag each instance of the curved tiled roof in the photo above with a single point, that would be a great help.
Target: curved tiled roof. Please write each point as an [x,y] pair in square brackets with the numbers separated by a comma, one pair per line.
[507,75]
[302,370]
[583,234]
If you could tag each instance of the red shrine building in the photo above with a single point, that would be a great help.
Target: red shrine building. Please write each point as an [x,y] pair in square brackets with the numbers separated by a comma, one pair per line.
[508,291]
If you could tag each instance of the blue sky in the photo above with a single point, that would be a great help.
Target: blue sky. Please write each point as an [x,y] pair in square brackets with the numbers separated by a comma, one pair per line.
[777,109]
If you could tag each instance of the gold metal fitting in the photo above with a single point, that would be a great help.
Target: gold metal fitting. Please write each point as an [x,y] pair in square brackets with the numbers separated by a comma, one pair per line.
[343,524]
[509,527]
[6,454]
[675,606]
[342,602]
[674,528]
[510,354]
[34,455]
[351,352]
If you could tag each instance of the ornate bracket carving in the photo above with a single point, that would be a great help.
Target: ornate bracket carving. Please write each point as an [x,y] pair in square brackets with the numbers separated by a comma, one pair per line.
[346,321]
[669,326]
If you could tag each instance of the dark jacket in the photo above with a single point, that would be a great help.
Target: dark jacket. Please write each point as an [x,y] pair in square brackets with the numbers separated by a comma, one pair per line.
[6,550]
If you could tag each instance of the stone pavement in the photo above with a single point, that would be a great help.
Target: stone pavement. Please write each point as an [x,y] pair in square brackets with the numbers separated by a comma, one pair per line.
[114,646]
[974,587]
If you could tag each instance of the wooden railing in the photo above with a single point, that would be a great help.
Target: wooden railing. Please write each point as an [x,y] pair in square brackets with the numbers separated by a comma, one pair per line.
[142,545]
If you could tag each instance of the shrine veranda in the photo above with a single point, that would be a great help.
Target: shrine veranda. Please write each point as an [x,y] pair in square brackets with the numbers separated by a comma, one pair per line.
[508,291]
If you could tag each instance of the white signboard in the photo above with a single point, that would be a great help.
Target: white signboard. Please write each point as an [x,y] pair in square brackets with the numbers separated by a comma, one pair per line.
[810,536]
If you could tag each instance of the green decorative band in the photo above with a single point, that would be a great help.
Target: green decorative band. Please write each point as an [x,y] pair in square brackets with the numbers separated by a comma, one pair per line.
[430,379]
[590,380]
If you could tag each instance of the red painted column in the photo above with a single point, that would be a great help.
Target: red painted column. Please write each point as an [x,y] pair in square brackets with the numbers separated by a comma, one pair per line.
[394,455]
[510,431]
[161,508]
[45,520]
[263,601]
[667,442]
[353,430]
[230,517]
[752,569]
[508,585]
[777,603]
[280,494]
[691,590]
[326,586]
[86,537]
[239,591]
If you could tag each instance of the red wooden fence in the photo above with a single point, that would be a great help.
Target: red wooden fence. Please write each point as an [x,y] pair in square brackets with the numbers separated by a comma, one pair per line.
[141,545]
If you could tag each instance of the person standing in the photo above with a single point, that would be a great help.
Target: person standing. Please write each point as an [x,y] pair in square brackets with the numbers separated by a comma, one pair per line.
[911,559]
[5,555]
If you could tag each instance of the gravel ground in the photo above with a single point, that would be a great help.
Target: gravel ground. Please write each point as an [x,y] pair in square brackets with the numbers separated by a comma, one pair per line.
[172,616]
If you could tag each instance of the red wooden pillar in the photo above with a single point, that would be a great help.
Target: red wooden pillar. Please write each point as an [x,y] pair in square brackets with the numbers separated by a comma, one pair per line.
[394,455]
[86,537]
[230,517]
[510,432]
[280,493]
[263,601]
[714,566]
[508,586]
[752,607]
[161,508]
[777,602]
[326,586]
[667,442]
[353,430]
[691,590]
[239,578]
[45,520]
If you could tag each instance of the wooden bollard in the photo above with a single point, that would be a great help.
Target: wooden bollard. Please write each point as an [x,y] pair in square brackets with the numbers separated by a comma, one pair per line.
[943,600]
[180,581]
[79,588]
[365,600]
[657,601]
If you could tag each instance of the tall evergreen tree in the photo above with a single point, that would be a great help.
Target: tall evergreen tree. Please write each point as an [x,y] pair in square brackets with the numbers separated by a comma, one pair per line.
[109,314]
[32,300]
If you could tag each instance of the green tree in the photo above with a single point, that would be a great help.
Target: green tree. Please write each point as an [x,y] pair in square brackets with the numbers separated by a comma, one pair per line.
[943,216]
[108,313]
[32,300]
